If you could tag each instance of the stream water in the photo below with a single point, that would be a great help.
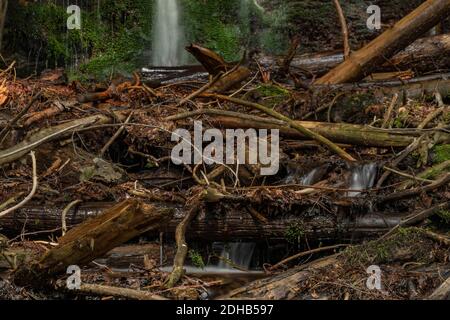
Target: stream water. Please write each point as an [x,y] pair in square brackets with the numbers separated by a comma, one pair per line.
[362,177]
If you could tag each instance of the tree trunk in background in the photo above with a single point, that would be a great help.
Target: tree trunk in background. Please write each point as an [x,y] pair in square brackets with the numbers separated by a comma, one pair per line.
[361,63]
[3,9]
[423,55]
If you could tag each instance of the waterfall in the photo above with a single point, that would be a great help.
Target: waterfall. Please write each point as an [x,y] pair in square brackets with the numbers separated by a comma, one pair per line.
[239,253]
[168,35]
[362,178]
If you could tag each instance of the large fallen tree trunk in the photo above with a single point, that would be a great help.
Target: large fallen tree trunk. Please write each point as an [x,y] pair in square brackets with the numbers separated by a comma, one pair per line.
[95,237]
[361,63]
[226,224]
[422,56]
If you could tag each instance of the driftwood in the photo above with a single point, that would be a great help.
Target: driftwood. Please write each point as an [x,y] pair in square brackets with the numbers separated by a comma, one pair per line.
[13,121]
[444,180]
[54,110]
[361,63]
[95,237]
[423,55]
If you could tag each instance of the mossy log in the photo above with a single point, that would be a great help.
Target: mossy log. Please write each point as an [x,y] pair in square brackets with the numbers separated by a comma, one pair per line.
[344,133]
[336,132]
[95,237]
[361,63]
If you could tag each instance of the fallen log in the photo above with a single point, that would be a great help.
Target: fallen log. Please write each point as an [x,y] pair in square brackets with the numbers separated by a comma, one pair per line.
[293,124]
[337,132]
[423,55]
[361,63]
[230,80]
[54,110]
[211,61]
[283,286]
[95,237]
[232,74]
[413,88]
[443,292]
[218,223]
[102,290]
[50,134]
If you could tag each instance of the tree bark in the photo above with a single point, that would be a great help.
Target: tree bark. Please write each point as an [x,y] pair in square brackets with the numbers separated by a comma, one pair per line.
[95,237]
[283,286]
[351,134]
[51,134]
[423,55]
[361,63]
[3,10]
[219,223]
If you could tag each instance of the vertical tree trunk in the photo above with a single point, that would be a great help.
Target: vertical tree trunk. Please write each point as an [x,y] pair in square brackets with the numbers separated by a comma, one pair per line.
[3,9]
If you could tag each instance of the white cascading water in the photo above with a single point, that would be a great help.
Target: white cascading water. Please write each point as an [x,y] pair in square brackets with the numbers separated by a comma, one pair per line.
[362,178]
[168,35]
[238,253]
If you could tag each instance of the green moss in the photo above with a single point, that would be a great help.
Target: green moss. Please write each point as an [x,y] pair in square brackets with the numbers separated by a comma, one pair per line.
[441,153]
[269,90]
[446,117]
[444,215]
[196,259]
[384,251]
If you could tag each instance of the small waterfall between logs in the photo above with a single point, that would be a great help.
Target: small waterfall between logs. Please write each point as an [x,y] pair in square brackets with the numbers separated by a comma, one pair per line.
[362,177]
[237,254]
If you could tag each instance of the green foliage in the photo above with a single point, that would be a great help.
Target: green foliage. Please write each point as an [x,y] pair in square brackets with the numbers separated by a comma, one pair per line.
[196,259]
[273,94]
[213,24]
[441,153]
[444,215]
[294,233]
[110,40]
